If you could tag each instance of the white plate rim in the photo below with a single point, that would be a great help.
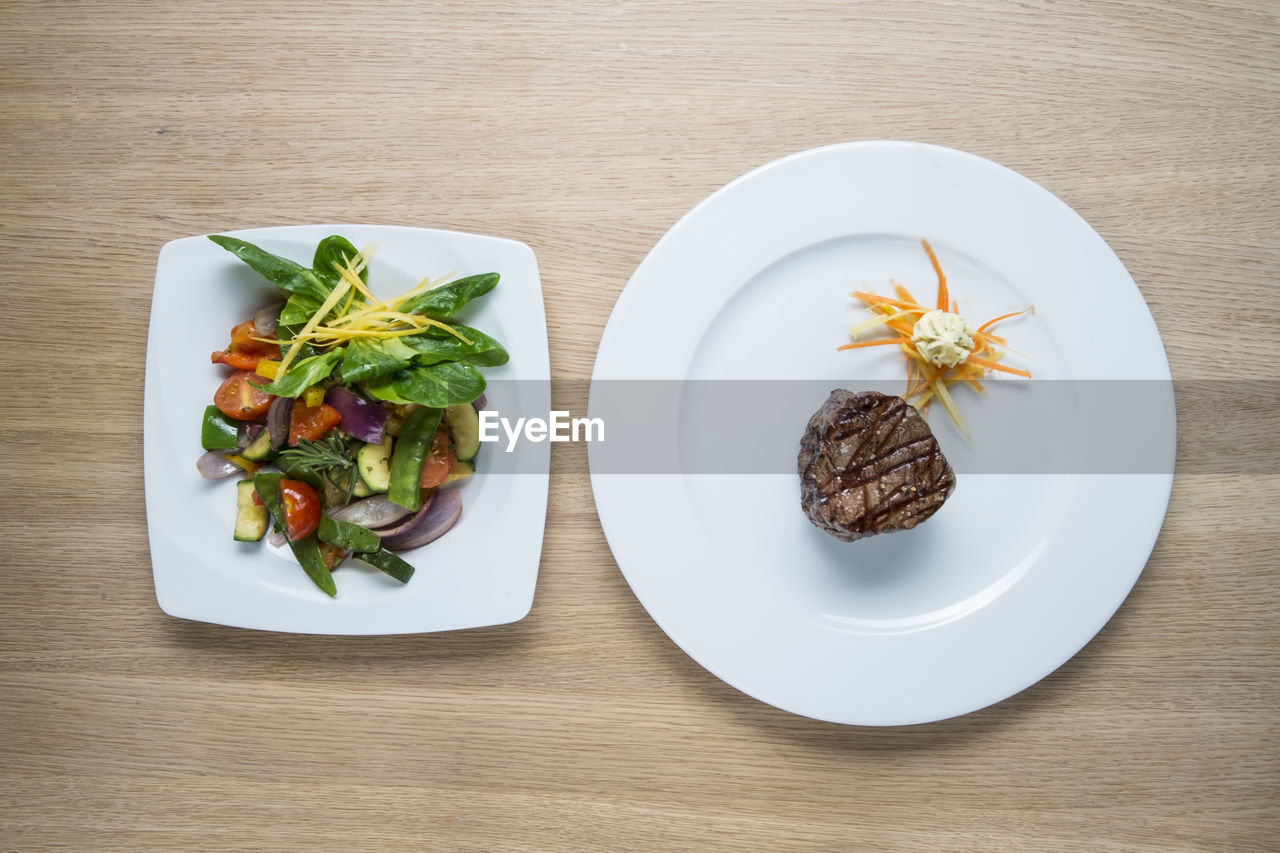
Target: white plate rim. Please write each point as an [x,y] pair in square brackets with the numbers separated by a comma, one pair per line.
[190,586]
[699,616]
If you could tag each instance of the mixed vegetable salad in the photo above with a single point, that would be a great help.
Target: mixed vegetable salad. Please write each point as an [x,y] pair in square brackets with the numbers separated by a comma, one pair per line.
[348,417]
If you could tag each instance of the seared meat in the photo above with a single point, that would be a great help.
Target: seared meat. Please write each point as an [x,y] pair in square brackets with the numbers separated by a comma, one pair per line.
[869,464]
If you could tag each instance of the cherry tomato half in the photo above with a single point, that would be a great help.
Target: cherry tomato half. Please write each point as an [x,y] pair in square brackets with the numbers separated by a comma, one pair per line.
[440,461]
[238,360]
[332,555]
[240,396]
[244,353]
[301,509]
[311,422]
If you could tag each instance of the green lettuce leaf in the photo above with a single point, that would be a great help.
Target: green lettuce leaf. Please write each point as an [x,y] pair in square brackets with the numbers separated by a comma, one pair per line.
[297,310]
[435,385]
[440,302]
[305,373]
[434,345]
[373,359]
[283,273]
[336,249]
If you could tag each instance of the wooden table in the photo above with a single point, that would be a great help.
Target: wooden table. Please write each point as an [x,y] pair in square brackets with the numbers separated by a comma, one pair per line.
[586,129]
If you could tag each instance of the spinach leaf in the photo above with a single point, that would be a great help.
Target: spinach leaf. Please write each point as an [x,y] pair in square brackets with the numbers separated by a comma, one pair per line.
[334,250]
[373,359]
[297,310]
[434,345]
[282,272]
[303,374]
[384,389]
[440,302]
[305,350]
[295,314]
[435,385]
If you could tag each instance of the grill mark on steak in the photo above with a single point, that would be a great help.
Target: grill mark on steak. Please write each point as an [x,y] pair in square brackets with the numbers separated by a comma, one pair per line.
[870,464]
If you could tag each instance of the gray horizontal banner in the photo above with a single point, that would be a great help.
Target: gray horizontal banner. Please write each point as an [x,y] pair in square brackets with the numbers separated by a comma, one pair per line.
[754,427]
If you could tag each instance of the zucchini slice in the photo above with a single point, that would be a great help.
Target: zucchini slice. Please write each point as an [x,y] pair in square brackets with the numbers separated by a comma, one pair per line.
[252,519]
[464,424]
[374,464]
[260,448]
[461,471]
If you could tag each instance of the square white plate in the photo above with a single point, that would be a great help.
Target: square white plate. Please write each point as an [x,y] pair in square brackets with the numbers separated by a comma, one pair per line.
[482,572]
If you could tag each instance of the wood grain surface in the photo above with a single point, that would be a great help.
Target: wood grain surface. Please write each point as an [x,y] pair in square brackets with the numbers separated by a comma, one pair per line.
[586,129]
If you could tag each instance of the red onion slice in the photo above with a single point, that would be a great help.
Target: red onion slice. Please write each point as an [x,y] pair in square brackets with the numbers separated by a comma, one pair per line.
[479,402]
[214,466]
[278,420]
[377,511]
[409,522]
[442,511]
[360,418]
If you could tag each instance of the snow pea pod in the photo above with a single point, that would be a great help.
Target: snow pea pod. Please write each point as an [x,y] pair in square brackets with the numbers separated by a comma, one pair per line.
[347,536]
[305,550]
[385,561]
[410,453]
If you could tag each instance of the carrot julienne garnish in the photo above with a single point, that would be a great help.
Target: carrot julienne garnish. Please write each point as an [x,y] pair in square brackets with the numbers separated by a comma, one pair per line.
[876,343]
[942,279]
[940,346]
[995,320]
[1004,368]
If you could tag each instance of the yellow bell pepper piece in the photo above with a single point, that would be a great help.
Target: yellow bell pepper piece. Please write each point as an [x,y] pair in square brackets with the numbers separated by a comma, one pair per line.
[246,464]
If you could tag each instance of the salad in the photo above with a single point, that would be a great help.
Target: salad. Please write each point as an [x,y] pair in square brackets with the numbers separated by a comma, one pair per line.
[349,419]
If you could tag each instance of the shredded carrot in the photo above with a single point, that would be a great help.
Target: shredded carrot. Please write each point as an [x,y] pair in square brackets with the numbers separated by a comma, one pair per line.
[983,337]
[925,380]
[991,365]
[995,320]
[943,301]
[879,342]
[872,299]
[903,293]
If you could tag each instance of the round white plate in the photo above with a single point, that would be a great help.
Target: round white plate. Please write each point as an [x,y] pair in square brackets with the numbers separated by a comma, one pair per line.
[1013,575]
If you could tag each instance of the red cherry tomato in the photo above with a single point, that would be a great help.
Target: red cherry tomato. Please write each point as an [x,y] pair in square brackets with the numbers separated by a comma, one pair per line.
[440,461]
[244,353]
[332,555]
[240,396]
[301,509]
[238,360]
[311,422]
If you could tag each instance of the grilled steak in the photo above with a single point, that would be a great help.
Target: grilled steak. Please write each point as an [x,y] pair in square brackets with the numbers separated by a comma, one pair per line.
[869,464]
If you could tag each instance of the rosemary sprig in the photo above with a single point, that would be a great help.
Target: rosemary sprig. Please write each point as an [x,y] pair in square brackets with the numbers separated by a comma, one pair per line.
[317,457]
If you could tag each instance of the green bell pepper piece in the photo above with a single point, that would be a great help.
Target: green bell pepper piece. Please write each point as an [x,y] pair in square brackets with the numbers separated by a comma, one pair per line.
[218,432]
